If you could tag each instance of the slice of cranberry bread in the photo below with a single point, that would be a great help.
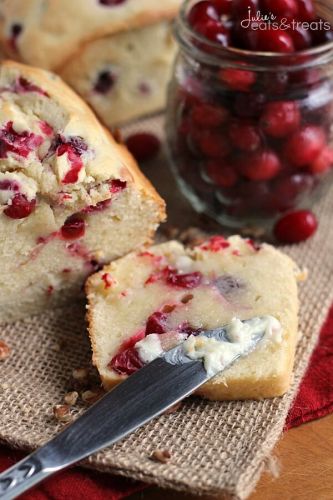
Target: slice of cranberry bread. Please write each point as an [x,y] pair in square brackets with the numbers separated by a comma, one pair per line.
[49,33]
[124,76]
[146,301]
[71,198]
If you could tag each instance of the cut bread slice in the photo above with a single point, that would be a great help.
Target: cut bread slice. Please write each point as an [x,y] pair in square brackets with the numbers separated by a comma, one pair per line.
[170,290]
[124,75]
[71,198]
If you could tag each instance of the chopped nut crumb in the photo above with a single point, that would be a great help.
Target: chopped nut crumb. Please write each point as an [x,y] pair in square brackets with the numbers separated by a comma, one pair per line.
[173,409]
[62,413]
[168,308]
[4,351]
[71,398]
[187,298]
[162,456]
[80,374]
[91,396]
[192,236]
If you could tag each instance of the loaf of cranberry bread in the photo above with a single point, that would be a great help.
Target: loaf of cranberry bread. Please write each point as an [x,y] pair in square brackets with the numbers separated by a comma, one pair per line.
[71,198]
[116,53]
[124,76]
[146,302]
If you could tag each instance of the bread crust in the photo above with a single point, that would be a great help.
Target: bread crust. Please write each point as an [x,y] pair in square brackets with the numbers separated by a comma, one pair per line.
[98,136]
[137,89]
[52,35]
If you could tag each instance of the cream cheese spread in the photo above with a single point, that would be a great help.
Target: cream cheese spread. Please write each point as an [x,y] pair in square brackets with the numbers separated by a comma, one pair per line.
[218,354]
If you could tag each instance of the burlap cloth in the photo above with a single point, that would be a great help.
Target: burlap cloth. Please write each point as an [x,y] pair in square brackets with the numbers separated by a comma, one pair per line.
[216,447]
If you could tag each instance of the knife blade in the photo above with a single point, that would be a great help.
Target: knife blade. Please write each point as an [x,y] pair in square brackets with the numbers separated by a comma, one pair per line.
[141,397]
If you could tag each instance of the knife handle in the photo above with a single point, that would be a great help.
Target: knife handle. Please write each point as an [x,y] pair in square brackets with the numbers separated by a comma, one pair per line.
[22,476]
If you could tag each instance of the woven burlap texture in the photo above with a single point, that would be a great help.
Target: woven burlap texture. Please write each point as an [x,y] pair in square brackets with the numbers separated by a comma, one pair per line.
[217,448]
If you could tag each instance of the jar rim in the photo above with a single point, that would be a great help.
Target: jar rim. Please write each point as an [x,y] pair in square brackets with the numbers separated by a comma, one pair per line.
[184,32]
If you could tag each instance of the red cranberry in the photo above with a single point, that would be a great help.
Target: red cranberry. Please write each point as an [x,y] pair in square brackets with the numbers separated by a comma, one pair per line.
[76,163]
[215,244]
[241,7]
[77,144]
[19,143]
[249,105]
[126,362]
[305,145]
[270,40]
[296,226]
[213,144]
[301,37]
[156,323]
[143,145]
[105,82]
[222,175]
[323,162]
[281,8]
[202,12]
[214,31]
[261,166]
[99,207]
[244,136]
[289,188]
[111,3]
[245,37]
[280,118]
[73,228]
[306,10]
[23,85]
[274,83]
[321,35]
[117,185]
[130,342]
[223,7]
[46,128]
[207,115]
[189,281]
[20,207]
[237,79]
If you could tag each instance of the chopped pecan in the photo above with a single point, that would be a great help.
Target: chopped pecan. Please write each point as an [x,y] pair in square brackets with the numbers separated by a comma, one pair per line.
[62,413]
[80,374]
[71,398]
[174,408]
[162,456]
[4,350]
[91,396]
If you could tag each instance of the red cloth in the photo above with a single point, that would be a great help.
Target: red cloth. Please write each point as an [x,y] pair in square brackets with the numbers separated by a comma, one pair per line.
[315,396]
[314,400]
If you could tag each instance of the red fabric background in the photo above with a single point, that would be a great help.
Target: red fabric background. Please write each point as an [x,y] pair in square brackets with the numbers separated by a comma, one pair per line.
[314,400]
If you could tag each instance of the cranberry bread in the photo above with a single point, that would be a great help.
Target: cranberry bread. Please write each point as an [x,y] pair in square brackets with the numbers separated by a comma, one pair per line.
[71,198]
[119,77]
[48,33]
[173,292]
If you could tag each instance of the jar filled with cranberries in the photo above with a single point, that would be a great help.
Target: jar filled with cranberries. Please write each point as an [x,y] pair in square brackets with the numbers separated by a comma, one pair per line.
[250,108]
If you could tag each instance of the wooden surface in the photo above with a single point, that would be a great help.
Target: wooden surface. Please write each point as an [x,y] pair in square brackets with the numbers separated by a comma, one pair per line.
[305,462]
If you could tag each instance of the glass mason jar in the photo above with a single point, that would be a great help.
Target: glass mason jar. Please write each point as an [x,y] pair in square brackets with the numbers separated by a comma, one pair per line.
[233,156]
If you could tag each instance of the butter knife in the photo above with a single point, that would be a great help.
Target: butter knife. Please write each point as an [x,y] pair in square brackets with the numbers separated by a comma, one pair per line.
[141,397]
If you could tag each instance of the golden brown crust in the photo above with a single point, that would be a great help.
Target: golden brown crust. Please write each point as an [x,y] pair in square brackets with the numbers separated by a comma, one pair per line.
[110,152]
